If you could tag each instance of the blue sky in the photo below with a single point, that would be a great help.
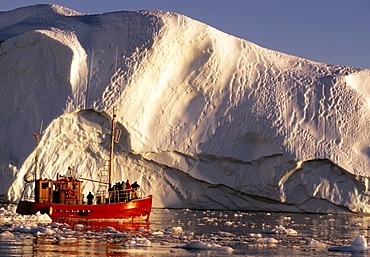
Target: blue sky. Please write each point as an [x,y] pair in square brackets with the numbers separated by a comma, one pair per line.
[330,31]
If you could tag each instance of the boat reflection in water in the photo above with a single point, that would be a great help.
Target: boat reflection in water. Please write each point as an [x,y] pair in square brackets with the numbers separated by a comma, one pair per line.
[109,226]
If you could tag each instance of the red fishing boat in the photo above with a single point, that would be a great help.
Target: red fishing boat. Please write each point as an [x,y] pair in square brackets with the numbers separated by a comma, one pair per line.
[62,199]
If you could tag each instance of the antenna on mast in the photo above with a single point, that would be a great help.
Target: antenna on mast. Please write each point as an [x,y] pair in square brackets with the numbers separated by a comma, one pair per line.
[115,64]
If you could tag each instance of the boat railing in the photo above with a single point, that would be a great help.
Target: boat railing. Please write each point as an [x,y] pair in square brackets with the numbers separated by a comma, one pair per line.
[117,196]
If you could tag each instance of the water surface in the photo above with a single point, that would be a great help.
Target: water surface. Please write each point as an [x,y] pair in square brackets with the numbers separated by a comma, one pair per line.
[247,233]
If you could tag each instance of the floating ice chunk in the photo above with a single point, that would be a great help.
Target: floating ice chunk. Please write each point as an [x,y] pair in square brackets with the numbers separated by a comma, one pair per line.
[291,232]
[3,212]
[267,240]
[6,234]
[157,233]
[66,240]
[254,235]
[174,230]
[206,246]
[229,223]
[209,219]
[315,244]
[79,226]
[357,245]
[38,217]
[225,234]
[67,231]
[33,228]
[110,229]
[43,231]
[137,242]
[22,229]
[280,230]
[11,215]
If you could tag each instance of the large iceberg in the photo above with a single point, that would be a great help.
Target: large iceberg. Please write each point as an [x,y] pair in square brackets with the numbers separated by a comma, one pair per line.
[209,120]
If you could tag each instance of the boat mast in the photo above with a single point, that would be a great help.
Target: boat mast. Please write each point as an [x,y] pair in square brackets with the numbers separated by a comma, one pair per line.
[111,150]
[37,136]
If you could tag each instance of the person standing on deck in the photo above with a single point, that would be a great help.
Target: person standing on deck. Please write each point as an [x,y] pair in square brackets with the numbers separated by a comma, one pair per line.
[135,190]
[90,198]
[128,188]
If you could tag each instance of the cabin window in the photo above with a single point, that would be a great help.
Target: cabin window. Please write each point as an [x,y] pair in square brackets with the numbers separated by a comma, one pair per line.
[45,185]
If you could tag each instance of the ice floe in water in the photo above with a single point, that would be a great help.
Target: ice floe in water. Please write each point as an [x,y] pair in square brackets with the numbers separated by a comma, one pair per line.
[15,227]
[357,245]
[137,242]
[280,230]
[312,243]
[174,230]
[206,246]
[8,215]
[264,236]
[66,240]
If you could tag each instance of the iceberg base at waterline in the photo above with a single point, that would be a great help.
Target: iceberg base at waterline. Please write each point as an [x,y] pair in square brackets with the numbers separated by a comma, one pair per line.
[357,245]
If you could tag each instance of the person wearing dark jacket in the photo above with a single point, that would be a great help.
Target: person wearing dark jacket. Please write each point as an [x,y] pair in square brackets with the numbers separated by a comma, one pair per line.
[90,198]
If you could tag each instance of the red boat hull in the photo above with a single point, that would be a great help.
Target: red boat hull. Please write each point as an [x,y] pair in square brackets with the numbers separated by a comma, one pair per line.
[137,210]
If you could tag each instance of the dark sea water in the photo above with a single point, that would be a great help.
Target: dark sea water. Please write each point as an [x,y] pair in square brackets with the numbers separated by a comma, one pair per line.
[170,231]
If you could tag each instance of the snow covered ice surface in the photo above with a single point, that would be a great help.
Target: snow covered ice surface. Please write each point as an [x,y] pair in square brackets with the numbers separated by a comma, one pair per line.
[209,121]
[190,233]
